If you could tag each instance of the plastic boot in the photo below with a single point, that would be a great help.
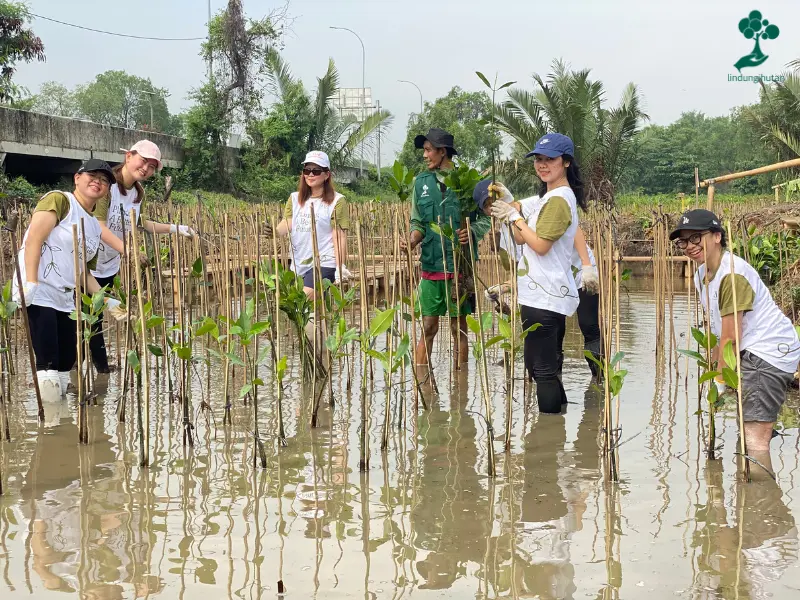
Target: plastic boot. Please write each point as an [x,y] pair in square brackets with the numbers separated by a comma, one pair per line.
[49,385]
[63,380]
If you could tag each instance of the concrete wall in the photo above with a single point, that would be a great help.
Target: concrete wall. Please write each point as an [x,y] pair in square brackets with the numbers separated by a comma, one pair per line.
[34,134]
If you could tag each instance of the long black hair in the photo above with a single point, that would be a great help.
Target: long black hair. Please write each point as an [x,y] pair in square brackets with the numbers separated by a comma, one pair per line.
[573,178]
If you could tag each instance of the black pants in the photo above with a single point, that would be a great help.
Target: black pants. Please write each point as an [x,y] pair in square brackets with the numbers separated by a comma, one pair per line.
[589,322]
[544,356]
[97,344]
[54,338]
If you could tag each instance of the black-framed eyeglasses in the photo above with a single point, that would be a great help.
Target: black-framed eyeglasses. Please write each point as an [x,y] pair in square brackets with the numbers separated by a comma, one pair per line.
[694,239]
[98,177]
[314,172]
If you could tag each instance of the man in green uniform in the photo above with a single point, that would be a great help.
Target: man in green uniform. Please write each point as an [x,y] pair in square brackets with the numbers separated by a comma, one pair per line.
[433,202]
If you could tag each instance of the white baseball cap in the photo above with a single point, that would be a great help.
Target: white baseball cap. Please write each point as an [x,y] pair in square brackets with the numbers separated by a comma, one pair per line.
[318,158]
[147,149]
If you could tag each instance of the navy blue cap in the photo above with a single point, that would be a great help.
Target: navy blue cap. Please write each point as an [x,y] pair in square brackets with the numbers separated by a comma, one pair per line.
[553,145]
[481,192]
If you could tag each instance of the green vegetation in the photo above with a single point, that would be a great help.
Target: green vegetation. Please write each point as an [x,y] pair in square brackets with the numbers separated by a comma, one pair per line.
[19,44]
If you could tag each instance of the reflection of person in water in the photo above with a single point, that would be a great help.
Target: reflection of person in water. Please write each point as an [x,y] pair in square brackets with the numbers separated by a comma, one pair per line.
[760,525]
[68,491]
[554,500]
[451,519]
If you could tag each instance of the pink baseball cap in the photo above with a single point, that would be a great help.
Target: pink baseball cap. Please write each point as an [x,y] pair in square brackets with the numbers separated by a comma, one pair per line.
[147,149]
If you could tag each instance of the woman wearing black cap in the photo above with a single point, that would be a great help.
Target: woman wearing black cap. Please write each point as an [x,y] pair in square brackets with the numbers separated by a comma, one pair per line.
[768,344]
[46,262]
[548,293]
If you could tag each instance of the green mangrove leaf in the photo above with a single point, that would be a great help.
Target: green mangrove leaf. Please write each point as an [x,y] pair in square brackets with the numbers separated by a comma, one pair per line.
[473,325]
[156,350]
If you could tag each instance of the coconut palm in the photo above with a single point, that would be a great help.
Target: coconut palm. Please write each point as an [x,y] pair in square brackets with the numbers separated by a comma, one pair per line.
[339,136]
[569,102]
[776,117]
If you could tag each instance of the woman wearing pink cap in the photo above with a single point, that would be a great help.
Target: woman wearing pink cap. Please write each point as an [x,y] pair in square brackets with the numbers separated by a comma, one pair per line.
[113,212]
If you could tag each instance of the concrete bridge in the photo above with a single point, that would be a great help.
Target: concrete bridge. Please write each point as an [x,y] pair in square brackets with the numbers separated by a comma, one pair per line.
[42,147]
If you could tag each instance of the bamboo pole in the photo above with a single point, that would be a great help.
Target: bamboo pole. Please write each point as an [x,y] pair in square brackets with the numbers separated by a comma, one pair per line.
[11,227]
[144,452]
[484,372]
[786,164]
[83,437]
[363,463]
[738,366]
[277,338]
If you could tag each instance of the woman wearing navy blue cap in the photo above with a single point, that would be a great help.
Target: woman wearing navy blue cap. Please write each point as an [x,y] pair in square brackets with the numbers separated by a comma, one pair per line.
[548,293]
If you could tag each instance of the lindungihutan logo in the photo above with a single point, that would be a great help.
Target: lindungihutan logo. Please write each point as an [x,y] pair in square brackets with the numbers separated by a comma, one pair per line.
[755,27]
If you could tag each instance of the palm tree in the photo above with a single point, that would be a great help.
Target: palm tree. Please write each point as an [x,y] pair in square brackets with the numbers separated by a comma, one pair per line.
[339,136]
[776,117]
[569,102]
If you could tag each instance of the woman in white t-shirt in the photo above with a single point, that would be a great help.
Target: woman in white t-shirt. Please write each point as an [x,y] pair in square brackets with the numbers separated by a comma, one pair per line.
[47,266]
[113,212]
[547,290]
[769,348]
[332,220]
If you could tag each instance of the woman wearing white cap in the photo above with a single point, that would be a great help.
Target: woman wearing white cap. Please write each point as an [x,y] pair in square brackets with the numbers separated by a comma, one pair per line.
[113,212]
[48,272]
[332,219]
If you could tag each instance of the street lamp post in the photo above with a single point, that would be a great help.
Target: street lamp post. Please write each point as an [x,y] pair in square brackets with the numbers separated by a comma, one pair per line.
[363,86]
[151,94]
[419,90]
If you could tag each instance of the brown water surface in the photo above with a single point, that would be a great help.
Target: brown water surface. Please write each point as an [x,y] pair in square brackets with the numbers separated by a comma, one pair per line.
[425,521]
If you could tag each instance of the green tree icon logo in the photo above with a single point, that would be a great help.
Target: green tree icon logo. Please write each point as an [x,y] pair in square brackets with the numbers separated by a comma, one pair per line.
[754,27]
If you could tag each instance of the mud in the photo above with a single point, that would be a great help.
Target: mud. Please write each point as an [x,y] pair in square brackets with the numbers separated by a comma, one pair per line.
[425,520]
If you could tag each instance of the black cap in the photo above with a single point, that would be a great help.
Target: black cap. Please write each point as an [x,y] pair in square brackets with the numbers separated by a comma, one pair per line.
[95,165]
[438,138]
[698,219]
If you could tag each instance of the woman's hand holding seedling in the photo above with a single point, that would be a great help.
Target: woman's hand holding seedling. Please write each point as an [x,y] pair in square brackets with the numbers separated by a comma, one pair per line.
[343,274]
[500,192]
[29,289]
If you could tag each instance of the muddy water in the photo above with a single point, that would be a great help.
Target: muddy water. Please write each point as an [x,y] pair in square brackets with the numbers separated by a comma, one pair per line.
[425,521]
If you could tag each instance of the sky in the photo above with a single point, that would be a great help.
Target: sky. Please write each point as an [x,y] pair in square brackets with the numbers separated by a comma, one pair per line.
[679,53]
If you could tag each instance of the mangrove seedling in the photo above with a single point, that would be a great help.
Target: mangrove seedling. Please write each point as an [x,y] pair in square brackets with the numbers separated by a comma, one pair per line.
[401,180]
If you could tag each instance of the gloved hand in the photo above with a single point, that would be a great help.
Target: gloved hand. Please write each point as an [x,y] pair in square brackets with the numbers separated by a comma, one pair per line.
[183,230]
[493,293]
[267,229]
[114,308]
[590,280]
[29,289]
[722,387]
[143,260]
[498,191]
[343,274]
[505,212]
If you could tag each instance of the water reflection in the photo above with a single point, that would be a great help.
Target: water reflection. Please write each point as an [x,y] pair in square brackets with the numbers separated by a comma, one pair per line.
[425,520]
[747,540]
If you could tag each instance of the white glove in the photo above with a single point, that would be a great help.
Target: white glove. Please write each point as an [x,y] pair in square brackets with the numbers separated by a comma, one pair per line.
[500,192]
[342,274]
[721,386]
[505,212]
[590,280]
[29,289]
[183,230]
[114,308]
[497,290]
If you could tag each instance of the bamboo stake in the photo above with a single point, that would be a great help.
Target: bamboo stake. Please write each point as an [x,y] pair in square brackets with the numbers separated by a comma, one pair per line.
[144,452]
[737,348]
[277,338]
[363,463]
[83,437]
[11,227]
[483,370]
[227,420]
